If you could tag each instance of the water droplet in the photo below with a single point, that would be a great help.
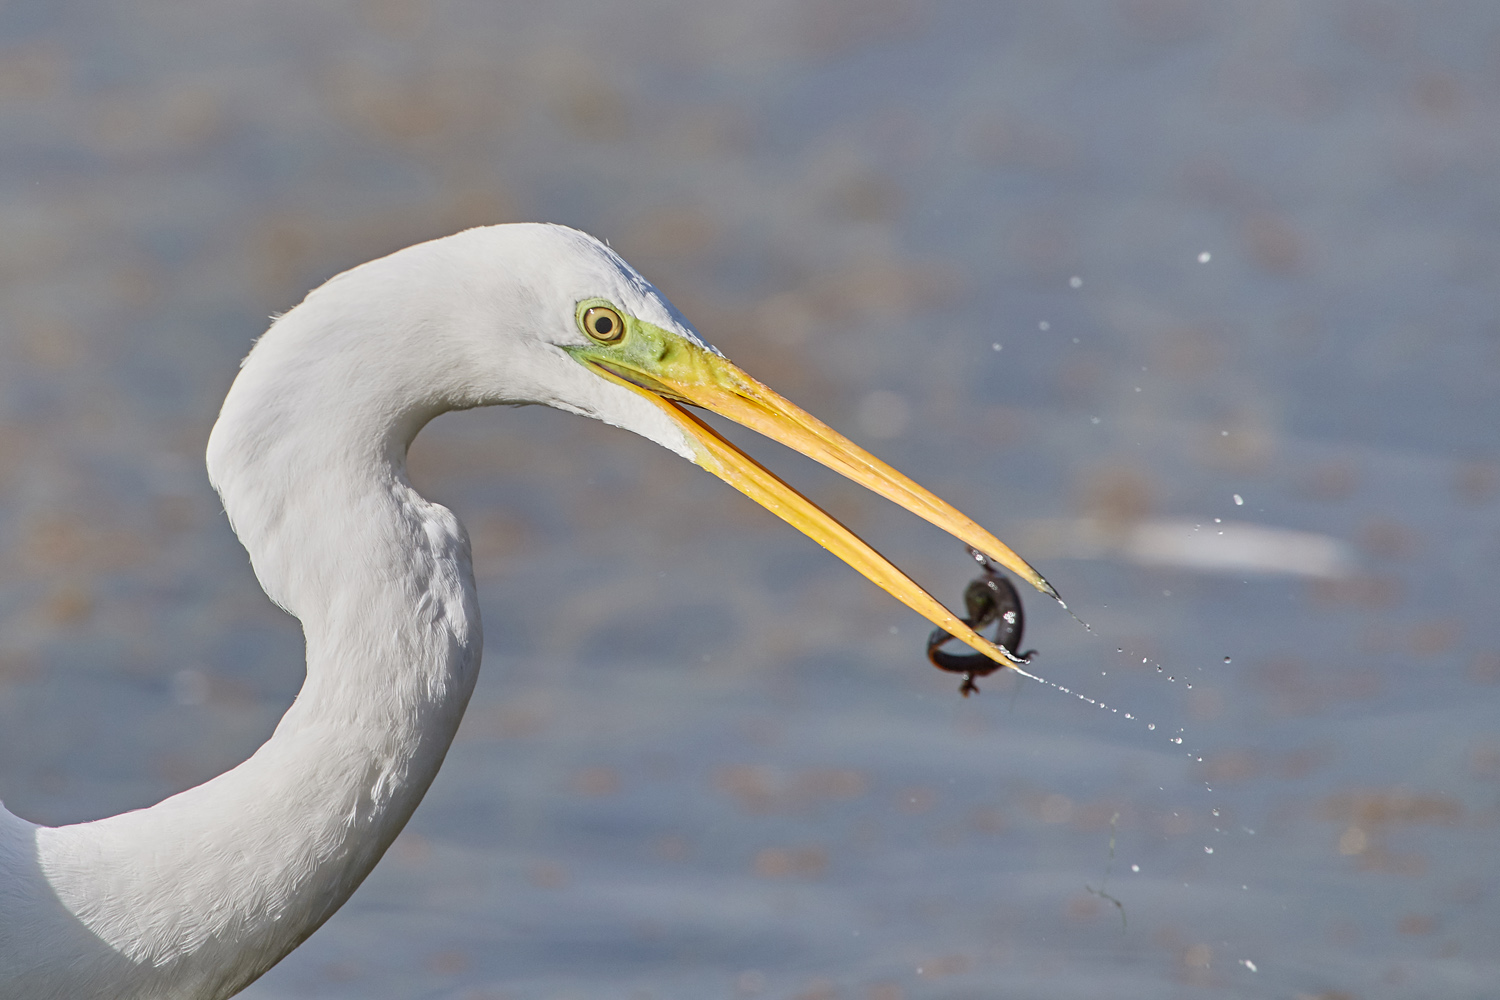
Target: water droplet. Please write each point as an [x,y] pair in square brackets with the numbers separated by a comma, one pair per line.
[1044,326]
[1150,725]
[1135,868]
[1227,660]
[1207,849]
[1093,420]
[1239,501]
[1177,740]
[1205,257]
[1216,812]
[1075,282]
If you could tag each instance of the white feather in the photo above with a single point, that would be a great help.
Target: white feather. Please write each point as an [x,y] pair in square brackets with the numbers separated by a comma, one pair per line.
[198,895]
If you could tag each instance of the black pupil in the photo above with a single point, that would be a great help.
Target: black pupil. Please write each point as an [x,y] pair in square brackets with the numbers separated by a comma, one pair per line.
[603,325]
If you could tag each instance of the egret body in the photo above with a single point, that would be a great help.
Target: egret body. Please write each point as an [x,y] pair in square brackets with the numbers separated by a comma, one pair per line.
[198,895]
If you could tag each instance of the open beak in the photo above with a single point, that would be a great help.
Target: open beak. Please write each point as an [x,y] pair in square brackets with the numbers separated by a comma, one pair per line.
[669,370]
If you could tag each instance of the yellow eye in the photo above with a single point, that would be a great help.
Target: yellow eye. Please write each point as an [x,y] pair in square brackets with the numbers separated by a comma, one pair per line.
[603,324]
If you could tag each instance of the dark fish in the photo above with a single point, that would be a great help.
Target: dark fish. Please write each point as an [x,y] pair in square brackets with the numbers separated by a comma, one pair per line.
[990,599]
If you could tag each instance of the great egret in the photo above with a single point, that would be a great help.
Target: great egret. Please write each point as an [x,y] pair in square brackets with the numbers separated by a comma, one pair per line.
[202,893]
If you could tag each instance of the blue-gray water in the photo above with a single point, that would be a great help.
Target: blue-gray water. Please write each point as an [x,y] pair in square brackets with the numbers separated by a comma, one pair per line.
[705,759]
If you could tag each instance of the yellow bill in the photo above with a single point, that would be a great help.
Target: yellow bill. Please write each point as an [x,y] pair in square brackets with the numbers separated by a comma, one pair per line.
[667,368]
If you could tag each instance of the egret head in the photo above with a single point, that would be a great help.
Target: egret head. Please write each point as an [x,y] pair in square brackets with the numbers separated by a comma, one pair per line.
[520,314]
[629,337]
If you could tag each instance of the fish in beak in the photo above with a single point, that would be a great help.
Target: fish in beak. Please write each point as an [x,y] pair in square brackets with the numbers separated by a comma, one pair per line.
[671,370]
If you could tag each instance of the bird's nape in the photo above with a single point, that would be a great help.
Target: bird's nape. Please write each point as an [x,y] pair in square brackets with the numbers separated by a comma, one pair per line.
[670,370]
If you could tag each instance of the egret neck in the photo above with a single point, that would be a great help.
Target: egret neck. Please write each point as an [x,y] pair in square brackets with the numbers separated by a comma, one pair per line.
[195,897]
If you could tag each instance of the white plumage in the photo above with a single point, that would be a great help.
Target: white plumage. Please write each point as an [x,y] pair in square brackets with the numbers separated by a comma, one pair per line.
[203,892]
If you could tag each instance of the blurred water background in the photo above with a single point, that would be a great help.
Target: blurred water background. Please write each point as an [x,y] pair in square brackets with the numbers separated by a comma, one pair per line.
[1114,277]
